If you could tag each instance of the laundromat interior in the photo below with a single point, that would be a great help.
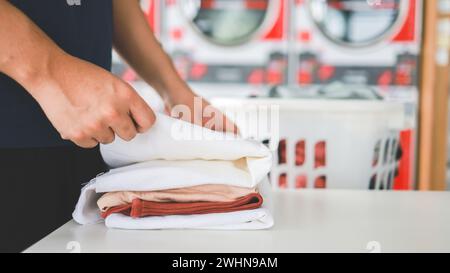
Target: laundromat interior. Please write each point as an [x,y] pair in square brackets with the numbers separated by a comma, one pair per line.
[362,85]
[246,128]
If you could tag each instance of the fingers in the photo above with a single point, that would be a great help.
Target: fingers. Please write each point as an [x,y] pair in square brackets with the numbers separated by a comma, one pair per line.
[223,125]
[92,137]
[124,127]
[138,119]
[215,120]
[105,136]
[125,114]
[230,127]
[81,139]
[85,142]
[142,115]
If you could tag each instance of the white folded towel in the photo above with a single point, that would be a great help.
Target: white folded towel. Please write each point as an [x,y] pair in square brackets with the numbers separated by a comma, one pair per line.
[159,160]
[240,220]
[174,139]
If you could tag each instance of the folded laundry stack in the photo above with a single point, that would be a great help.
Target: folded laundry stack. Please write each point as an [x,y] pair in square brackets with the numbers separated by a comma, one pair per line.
[180,175]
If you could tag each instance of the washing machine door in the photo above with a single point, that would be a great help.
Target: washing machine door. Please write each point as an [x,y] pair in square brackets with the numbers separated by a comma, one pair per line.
[228,22]
[358,23]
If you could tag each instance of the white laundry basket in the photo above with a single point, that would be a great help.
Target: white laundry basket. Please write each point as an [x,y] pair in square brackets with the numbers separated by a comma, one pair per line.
[339,144]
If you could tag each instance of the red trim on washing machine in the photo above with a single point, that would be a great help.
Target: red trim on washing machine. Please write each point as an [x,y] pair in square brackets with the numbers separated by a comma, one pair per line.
[304,36]
[278,29]
[345,5]
[256,77]
[256,4]
[198,71]
[248,4]
[386,78]
[153,16]
[408,30]
[404,179]
[207,4]
[326,72]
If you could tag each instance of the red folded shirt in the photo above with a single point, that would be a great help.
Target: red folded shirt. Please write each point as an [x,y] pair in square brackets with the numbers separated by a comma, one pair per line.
[139,208]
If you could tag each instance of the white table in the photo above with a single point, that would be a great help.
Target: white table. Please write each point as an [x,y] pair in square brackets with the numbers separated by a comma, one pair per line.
[305,221]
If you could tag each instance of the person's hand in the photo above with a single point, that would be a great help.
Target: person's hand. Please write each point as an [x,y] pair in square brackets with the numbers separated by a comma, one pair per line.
[89,105]
[205,115]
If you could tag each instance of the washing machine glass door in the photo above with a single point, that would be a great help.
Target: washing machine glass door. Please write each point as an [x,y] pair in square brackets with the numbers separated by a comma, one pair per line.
[226,22]
[357,22]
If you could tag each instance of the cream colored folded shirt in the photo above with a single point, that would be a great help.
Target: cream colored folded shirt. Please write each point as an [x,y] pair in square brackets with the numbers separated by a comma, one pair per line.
[202,193]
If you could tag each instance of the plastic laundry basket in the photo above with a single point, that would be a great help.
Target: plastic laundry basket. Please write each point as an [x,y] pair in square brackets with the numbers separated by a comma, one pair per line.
[339,144]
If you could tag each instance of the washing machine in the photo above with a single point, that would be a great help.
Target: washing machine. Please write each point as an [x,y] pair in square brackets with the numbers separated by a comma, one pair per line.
[362,42]
[373,44]
[237,46]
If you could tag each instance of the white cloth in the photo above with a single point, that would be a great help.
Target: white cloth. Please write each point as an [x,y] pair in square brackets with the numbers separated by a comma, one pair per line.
[173,139]
[87,212]
[239,220]
[167,161]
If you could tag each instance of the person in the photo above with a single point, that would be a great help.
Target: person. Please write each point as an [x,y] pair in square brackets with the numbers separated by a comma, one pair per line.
[58,101]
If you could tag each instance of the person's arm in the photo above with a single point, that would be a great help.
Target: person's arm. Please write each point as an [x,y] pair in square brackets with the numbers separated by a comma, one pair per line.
[84,102]
[136,43]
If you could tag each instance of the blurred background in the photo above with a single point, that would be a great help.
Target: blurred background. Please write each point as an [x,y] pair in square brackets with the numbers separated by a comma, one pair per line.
[362,86]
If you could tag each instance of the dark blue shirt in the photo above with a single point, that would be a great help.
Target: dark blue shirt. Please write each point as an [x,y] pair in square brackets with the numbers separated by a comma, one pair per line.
[82,28]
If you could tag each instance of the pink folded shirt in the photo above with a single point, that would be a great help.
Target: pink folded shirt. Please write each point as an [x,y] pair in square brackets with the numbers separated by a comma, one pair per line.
[202,193]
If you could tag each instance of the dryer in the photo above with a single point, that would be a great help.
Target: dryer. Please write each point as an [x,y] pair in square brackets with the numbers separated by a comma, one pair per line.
[237,42]
[362,42]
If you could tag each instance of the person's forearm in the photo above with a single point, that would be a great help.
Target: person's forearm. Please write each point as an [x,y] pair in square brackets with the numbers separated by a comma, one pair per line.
[59,81]
[26,52]
[135,42]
